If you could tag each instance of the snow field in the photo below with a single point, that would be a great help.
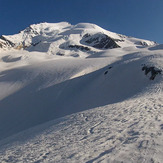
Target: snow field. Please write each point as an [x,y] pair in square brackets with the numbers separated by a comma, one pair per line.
[96,106]
[129,131]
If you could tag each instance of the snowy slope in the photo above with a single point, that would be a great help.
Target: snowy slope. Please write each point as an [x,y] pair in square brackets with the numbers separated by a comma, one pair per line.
[129,131]
[60,102]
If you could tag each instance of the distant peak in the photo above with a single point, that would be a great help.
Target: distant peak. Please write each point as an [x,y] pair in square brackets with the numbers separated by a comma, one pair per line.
[54,37]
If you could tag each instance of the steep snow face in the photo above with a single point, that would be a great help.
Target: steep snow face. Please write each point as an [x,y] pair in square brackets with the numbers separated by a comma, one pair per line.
[59,38]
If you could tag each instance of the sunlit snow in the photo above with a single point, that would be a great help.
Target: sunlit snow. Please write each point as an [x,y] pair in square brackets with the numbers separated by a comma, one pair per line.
[60,102]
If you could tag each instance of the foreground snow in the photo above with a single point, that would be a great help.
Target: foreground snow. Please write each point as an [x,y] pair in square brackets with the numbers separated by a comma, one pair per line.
[129,131]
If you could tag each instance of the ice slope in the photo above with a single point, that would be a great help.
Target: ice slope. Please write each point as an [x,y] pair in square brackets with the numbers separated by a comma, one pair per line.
[97,107]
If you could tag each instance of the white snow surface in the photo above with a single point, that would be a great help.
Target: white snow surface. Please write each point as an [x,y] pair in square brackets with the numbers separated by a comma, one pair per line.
[86,107]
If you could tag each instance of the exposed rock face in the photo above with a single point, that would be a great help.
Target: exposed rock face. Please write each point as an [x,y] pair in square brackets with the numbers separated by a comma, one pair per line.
[31,31]
[154,71]
[5,43]
[69,46]
[24,39]
[79,47]
[60,54]
[99,41]
[1,44]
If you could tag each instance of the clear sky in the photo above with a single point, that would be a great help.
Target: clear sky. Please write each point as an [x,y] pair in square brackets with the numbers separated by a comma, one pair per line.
[137,18]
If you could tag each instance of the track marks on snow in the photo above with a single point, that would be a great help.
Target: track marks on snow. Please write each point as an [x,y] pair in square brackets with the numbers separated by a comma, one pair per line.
[130,131]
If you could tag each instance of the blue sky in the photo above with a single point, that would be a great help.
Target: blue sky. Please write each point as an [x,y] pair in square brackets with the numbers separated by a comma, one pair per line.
[137,18]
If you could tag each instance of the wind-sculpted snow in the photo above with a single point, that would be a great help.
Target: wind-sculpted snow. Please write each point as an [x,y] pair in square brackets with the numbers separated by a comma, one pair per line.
[129,131]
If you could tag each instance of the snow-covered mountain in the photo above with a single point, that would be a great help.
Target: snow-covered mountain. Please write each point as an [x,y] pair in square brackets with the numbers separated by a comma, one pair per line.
[58,38]
[79,93]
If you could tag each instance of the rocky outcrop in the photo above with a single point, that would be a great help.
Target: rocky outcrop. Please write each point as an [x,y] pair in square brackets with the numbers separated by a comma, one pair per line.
[4,43]
[79,47]
[68,46]
[150,69]
[1,44]
[99,41]
[30,30]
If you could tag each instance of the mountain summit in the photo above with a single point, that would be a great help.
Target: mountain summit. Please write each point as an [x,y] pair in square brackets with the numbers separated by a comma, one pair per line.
[61,38]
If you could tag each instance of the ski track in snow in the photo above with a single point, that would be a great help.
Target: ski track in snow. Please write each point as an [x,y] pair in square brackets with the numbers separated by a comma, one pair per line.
[130,131]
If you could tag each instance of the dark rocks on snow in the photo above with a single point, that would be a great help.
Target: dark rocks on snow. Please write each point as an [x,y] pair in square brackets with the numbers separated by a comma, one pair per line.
[30,30]
[79,47]
[1,45]
[154,71]
[99,41]
[60,54]
[74,47]
[107,70]
[36,43]
[9,43]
